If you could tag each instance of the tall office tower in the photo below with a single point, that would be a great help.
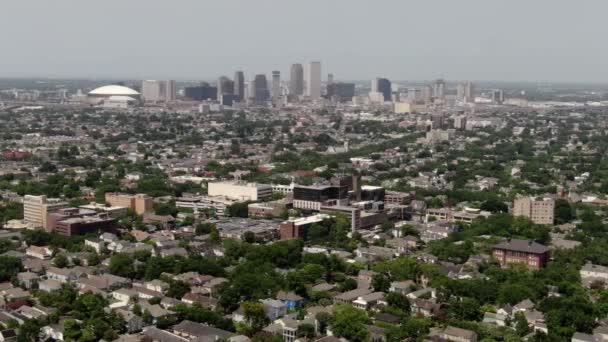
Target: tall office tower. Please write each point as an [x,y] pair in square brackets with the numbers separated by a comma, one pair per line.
[414,94]
[170,91]
[260,89]
[313,80]
[330,78]
[224,87]
[296,81]
[465,92]
[439,89]
[276,85]
[239,85]
[460,92]
[152,90]
[383,86]
[427,94]
[340,92]
[498,96]
[469,92]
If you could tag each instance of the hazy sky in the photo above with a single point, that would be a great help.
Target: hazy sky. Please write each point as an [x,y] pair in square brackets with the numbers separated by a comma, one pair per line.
[528,40]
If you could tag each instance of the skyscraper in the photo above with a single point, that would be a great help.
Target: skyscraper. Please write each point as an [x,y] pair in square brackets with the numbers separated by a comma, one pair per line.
[260,89]
[383,86]
[276,85]
[465,92]
[152,90]
[313,80]
[224,87]
[239,85]
[170,91]
[330,78]
[469,92]
[296,81]
[439,89]
[427,94]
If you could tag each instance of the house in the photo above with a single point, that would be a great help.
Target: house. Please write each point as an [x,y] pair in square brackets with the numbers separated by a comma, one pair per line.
[425,307]
[175,251]
[582,337]
[204,301]
[156,285]
[8,335]
[495,318]
[156,311]
[96,244]
[124,295]
[451,333]
[133,323]
[274,308]
[28,279]
[376,334]
[200,332]
[49,285]
[422,293]
[290,299]
[39,252]
[349,296]
[402,287]
[53,331]
[592,274]
[376,252]
[63,275]
[368,301]
[15,293]
[144,293]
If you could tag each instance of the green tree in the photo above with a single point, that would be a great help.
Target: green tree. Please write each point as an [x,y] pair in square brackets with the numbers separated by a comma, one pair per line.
[255,315]
[61,260]
[381,282]
[122,265]
[349,323]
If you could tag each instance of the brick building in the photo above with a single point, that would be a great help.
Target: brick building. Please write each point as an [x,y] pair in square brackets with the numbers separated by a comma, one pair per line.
[515,251]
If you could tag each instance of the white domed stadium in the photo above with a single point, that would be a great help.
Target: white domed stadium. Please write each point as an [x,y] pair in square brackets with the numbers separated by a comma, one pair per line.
[105,93]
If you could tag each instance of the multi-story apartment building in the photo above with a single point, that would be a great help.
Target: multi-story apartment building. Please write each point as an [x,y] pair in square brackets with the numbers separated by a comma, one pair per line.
[37,208]
[539,210]
[515,251]
[240,191]
[140,203]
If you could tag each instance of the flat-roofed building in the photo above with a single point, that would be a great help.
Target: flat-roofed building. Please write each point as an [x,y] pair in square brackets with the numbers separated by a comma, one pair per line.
[539,210]
[74,221]
[112,211]
[298,227]
[201,203]
[37,208]
[240,191]
[140,203]
[315,196]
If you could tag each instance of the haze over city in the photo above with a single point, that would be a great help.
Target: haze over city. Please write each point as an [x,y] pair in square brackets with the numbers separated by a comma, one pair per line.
[405,40]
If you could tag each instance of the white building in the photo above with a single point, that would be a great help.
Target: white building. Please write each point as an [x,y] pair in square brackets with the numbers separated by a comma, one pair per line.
[240,191]
[313,80]
[152,91]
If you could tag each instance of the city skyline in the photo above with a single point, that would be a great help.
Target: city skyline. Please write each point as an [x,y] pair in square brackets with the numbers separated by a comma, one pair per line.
[497,42]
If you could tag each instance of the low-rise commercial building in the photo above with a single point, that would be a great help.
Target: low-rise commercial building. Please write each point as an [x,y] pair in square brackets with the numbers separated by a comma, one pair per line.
[240,191]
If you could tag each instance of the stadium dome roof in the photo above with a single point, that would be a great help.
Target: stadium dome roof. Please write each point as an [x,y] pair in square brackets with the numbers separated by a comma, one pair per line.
[114,90]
